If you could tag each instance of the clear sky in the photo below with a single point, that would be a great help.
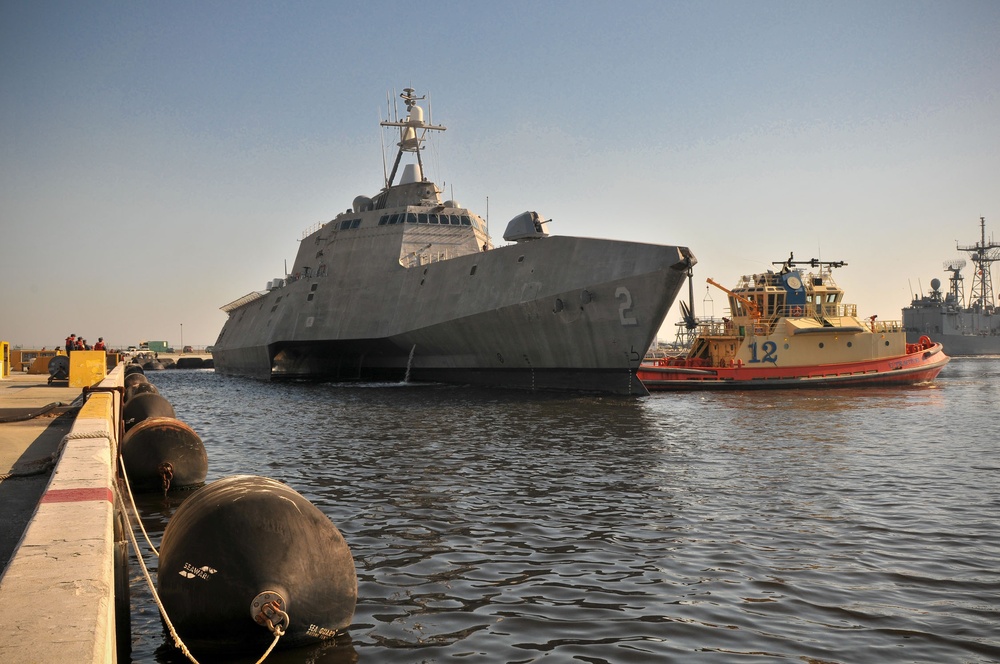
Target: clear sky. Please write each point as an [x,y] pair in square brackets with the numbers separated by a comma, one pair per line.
[160,159]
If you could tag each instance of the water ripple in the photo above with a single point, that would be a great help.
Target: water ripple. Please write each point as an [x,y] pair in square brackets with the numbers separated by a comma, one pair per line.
[827,527]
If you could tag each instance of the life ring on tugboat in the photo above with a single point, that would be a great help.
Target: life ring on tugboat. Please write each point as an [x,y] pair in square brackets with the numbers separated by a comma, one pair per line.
[796,311]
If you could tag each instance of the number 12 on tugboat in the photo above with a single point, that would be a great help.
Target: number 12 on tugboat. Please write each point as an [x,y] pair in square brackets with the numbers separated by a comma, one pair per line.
[790,328]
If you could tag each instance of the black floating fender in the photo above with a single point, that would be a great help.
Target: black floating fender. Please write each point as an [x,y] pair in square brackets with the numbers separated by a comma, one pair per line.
[159,448]
[143,406]
[133,368]
[139,388]
[245,541]
[134,378]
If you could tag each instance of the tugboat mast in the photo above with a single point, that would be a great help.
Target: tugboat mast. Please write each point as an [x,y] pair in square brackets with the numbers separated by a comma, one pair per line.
[983,254]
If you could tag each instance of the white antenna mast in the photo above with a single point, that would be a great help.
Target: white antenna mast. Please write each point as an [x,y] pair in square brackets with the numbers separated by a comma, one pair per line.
[385,166]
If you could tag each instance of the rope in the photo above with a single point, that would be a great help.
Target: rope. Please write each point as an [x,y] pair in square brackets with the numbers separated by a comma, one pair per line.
[31,416]
[178,642]
[47,464]
[278,633]
[84,435]
[135,510]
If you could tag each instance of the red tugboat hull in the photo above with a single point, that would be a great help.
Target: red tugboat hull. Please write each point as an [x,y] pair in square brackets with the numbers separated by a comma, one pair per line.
[920,364]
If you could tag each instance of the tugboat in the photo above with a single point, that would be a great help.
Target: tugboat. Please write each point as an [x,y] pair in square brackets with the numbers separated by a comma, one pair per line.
[407,286]
[965,328]
[792,329]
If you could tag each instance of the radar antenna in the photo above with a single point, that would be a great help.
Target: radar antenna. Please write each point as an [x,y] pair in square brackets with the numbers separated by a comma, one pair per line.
[983,254]
[412,132]
[956,284]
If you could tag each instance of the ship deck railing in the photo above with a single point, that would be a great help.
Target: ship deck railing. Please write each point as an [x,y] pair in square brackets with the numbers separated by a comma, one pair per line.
[246,299]
[743,325]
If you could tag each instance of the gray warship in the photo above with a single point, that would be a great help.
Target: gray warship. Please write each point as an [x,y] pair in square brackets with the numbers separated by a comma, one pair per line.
[407,286]
[964,327]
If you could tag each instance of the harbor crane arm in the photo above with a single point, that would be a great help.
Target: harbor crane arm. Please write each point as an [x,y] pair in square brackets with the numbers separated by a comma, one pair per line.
[751,306]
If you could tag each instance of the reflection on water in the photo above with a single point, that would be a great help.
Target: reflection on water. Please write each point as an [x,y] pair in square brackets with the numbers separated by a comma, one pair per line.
[822,526]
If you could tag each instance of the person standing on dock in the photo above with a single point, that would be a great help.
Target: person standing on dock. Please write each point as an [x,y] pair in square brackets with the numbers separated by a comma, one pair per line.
[70,343]
[100,344]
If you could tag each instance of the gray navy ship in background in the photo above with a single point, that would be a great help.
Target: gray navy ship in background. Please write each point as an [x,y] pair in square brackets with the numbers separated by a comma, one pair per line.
[407,286]
[964,327]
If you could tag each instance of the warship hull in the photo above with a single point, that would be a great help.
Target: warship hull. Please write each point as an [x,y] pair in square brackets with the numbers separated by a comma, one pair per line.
[552,313]
[961,331]
[405,285]
[964,326]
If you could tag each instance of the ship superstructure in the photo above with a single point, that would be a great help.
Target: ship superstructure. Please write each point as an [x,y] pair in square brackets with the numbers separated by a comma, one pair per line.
[406,285]
[964,326]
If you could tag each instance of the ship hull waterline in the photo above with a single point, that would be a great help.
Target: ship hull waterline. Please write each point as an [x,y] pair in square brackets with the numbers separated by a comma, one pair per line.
[909,369]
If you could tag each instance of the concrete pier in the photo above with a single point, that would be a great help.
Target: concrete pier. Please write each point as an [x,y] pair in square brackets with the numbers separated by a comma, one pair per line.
[58,526]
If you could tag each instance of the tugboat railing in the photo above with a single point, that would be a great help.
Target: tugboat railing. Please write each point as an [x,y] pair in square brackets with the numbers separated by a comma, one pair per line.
[743,325]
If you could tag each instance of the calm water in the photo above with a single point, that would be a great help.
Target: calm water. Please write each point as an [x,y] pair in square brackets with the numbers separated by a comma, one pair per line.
[804,526]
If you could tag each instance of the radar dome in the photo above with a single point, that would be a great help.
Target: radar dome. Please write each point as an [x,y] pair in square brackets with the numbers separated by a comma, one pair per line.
[362,204]
[935,283]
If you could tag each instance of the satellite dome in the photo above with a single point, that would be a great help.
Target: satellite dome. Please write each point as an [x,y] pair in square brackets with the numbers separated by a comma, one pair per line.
[362,204]
[935,283]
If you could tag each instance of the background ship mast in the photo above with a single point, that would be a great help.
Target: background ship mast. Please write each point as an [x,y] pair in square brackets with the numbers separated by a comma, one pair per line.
[983,254]
[955,281]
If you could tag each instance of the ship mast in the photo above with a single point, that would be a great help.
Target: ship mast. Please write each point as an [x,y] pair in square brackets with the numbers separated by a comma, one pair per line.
[983,254]
[409,138]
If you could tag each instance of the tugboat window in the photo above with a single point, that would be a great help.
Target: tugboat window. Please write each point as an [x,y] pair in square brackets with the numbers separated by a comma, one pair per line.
[433,218]
[422,218]
[466,221]
[456,220]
